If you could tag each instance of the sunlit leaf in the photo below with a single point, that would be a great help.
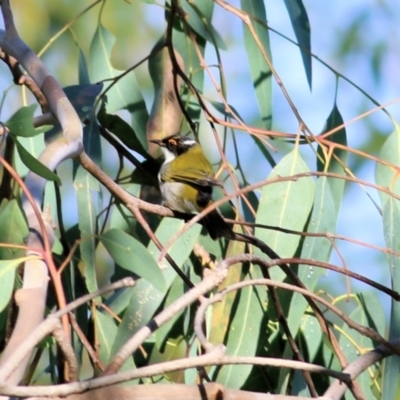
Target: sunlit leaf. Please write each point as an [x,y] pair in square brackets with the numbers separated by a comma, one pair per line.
[259,69]
[13,229]
[166,113]
[285,204]
[338,158]
[21,122]
[34,165]
[133,256]
[301,26]
[125,93]
[391,221]
[116,125]
[87,212]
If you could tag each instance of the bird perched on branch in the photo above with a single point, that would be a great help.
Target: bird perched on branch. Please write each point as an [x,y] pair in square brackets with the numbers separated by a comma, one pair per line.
[187,180]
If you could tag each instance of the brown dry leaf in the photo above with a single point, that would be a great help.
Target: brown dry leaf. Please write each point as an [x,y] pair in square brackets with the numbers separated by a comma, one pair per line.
[166,114]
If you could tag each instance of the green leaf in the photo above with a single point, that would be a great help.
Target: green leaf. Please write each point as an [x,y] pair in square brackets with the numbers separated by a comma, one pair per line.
[21,123]
[222,312]
[13,229]
[222,109]
[7,276]
[259,69]
[323,219]
[301,26]
[354,343]
[312,334]
[244,331]
[132,256]
[176,291]
[202,23]
[83,69]
[106,330]
[126,93]
[285,204]
[34,165]
[88,227]
[146,298]
[83,97]
[116,125]
[391,221]
[338,158]
[385,175]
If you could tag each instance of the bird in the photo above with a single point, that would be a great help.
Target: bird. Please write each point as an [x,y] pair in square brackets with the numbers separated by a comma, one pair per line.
[187,180]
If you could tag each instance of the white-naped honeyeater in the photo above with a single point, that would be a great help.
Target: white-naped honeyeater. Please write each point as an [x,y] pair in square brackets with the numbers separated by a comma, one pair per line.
[187,180]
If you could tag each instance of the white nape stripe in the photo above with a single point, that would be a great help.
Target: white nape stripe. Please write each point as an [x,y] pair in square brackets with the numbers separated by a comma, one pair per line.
[190,142]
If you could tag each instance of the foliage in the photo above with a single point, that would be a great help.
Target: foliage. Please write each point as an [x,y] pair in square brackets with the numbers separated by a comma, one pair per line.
[277,317]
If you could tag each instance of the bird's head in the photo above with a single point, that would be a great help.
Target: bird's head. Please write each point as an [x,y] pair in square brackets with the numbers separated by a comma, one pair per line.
[175,145]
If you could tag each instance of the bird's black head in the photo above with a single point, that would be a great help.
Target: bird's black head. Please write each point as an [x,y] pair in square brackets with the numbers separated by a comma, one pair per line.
[175,144]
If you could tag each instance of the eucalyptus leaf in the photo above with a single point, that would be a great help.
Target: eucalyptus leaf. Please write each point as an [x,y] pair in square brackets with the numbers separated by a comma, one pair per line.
[132,256]
[301,26]
[35,165]
[21,122]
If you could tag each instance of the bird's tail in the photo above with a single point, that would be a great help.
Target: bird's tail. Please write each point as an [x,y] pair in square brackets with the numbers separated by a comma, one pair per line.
[216,226]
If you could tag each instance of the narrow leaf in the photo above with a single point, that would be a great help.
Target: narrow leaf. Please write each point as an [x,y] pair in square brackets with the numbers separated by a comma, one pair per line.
[126,93]
[391,221]
[243,335]
[201,24]
[13,229]
[338,158]
[130,254]
[323,219]
[285,204]
[146,298]
[166,114]
[301,26]
[21,123]
[121,129]
[259,69]
[34,165]
[87,225]
[7,276]
[385,175]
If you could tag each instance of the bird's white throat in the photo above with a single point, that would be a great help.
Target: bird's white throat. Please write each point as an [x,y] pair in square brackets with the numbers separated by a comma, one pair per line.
[168,155]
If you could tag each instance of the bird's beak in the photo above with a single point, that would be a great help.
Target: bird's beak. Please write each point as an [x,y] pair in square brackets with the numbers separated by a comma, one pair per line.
[159,142]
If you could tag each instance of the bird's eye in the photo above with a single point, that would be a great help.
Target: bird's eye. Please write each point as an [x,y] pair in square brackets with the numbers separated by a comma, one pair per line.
[172,143]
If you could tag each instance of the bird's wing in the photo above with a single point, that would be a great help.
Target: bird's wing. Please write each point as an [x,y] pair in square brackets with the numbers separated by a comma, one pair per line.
[197,177]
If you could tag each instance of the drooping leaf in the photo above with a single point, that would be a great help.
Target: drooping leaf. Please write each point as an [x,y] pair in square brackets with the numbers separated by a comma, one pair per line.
[21,122]
[246,324]
[386,175]
[259,69]
[35,165]
[83,97]
[323,219]
[201,24]
[166,113]
[353,344]
[222,312]
[285,204]
[116,125]
[133,256]
[13,229]
[146,298]
[125,94]
[391,221]
[301,26]
[87,212]
[7,276]
[338,158]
